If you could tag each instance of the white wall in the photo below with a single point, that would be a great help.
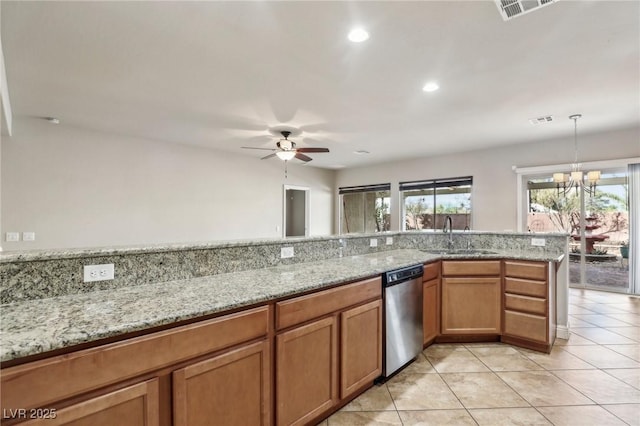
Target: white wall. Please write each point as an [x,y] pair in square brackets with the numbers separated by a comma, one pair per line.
[494,201]
[80,188]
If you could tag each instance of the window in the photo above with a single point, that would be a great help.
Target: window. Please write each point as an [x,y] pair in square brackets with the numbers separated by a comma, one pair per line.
[427,203]
[365,208]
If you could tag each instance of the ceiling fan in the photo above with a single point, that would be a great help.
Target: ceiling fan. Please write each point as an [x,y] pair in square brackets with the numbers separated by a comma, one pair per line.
[286,150]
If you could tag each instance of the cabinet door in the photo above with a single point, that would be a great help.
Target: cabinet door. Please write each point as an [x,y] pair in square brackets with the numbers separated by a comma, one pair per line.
[229,389]
[430,311]
[306,371]
[471,305]
[361,347]
[135,405]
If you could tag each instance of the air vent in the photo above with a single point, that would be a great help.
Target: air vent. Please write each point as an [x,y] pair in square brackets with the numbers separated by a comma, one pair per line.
[511,8]
[541,120]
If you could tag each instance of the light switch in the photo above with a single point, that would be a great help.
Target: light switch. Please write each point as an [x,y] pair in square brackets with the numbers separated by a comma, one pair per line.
[28,236]
[13,236]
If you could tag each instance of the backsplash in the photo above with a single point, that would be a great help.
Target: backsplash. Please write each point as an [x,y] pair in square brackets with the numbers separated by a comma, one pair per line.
[42,274]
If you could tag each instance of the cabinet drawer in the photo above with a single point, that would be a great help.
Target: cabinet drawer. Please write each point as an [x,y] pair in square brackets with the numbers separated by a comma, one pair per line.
[41,382]
[526,287]
[305,308]
[431,271]
[533,305]
[532,270]
[527,326]
[470,267]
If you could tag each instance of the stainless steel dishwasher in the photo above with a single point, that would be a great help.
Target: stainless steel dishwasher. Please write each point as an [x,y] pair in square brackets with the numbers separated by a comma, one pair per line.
[403,317]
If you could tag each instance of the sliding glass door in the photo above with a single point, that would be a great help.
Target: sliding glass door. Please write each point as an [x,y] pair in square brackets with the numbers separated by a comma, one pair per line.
[598,222]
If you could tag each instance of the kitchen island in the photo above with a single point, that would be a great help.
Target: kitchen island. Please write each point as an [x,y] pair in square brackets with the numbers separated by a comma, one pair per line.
[49,332]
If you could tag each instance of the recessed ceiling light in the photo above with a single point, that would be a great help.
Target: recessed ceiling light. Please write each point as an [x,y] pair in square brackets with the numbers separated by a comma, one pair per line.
[432,86]
[361,152]
[358,35]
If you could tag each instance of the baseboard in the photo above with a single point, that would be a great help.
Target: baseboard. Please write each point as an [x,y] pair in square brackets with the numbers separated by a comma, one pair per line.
[562,332]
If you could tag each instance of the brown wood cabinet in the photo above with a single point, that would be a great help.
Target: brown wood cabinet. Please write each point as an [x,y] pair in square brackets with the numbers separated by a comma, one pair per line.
[328,347]
[361,347]
[306,371]
[232,388]
[471,297]
[529,305]
[135,405]
[431,302]
[80,381]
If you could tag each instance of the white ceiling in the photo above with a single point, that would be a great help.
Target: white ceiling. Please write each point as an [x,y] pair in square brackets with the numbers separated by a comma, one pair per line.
[222,74]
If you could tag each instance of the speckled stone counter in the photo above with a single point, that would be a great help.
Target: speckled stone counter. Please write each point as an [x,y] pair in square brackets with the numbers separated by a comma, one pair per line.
[36,326]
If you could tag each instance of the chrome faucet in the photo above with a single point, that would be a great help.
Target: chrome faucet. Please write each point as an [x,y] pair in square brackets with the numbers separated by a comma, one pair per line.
[449,221]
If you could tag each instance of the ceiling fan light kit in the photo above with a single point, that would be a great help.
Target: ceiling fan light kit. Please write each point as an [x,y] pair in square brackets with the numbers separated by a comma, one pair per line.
[286,150]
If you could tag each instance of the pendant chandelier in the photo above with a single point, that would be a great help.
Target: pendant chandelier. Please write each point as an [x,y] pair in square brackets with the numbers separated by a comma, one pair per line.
[576,179]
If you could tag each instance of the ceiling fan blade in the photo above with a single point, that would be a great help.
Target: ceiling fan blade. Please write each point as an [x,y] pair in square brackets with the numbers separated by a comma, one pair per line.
[269,156]
[312,149]
[303,157]
[264,149]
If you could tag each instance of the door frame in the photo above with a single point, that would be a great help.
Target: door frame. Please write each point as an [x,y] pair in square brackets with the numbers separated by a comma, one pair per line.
[307,192]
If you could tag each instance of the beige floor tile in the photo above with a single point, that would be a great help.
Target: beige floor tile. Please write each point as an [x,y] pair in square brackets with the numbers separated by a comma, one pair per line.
[580,416]
[602,357]
[376,398]
[575,322]
[436,418]
[574,340]
[420,365]
[601,320]
[482,390]
[632,305]
[558,359]
[578,309]
[504,358]
[421,392]
[630,318]
[364,418]
[632,333]
[632,351]
[509,416]
[603,308]
[600,386]
[630,376]
[324,423]
[453,359]
[629,413]
[601,335]
[541,388]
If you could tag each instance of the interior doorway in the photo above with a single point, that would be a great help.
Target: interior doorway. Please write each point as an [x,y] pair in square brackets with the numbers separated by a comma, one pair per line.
[296,211]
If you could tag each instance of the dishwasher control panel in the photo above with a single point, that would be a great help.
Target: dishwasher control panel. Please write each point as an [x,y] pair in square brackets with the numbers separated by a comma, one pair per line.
[400,275]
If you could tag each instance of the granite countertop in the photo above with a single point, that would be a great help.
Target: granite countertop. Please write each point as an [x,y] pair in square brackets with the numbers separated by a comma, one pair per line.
[38,326]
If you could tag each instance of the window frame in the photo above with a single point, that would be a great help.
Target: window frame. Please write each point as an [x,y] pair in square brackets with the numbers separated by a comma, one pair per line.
[436,185]
[380,187]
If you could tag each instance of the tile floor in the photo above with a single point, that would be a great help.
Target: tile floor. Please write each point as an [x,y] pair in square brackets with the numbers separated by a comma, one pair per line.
[593,378]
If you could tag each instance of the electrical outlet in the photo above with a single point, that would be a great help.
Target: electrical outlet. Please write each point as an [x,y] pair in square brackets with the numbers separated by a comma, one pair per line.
[373,242]
[99,272]
[538,242]
[13,236]
[286,252]
[389,241]
[28,236]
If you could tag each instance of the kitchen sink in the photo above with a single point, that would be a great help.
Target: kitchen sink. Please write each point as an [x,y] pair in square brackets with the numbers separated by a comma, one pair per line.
[460,251]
